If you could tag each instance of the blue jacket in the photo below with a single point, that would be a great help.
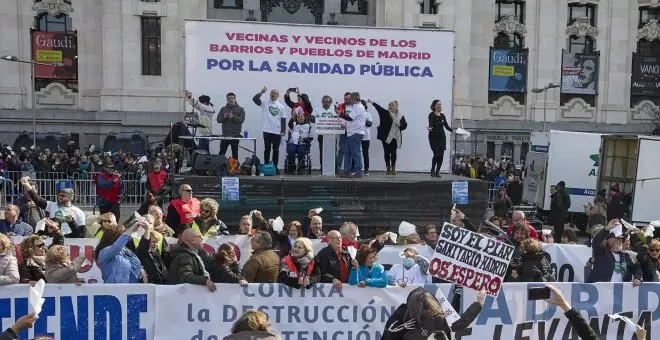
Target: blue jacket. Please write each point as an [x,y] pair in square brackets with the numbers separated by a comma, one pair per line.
[118,264]
[373,277]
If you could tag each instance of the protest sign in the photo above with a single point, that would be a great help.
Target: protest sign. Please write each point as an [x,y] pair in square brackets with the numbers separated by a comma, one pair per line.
[470,259]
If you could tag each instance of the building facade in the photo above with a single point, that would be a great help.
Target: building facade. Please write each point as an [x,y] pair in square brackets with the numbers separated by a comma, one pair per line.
[520,66]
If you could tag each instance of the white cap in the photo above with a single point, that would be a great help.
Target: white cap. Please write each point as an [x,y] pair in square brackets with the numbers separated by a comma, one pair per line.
[406,229]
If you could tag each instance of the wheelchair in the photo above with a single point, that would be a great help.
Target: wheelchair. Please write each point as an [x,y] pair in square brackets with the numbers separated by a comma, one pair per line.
[300,167]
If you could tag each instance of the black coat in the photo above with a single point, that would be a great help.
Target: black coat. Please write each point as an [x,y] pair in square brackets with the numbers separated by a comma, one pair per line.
[328,264]
[186,267]
[604,262]
[648,268]
[436,324]
[535,267]
[290,281]
[226,274]
[557,209]
[385,125]
[154,264]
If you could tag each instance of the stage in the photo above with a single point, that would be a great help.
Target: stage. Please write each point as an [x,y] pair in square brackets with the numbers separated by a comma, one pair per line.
[374,201]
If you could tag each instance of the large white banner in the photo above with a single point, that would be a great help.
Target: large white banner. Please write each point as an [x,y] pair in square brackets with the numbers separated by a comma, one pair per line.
[361,313]
[412,66]
[140,312]
[99,312]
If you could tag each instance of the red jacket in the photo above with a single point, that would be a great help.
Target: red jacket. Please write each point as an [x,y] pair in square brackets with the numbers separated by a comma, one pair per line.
[106,188]
[187,210]
[344,242]
[532,232]
[157,180]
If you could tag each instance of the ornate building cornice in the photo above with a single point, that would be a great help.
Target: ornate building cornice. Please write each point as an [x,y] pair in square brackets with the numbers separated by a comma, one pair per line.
[583,2]
[509,25]
[52,7]
[650,31]
[581,27]
[649,3]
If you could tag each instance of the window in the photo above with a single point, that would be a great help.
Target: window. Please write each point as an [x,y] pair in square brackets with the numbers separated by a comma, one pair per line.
[510,7]
[150,0]
[428,7]
[49,23]
[505,8]
[151,46]
[581,44]
[648,48]
[647,14]
[230,4]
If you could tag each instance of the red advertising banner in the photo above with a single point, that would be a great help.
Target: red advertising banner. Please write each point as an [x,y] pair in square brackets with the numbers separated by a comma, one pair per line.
[59,49]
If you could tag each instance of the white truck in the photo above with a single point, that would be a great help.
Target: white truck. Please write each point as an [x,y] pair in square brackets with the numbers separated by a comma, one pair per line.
[632,162]
[572,157]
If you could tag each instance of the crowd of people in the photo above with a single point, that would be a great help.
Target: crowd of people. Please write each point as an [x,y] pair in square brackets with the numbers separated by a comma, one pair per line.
[352,159]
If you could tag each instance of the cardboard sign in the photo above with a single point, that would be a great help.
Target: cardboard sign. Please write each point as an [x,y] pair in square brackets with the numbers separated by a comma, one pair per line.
[470,259]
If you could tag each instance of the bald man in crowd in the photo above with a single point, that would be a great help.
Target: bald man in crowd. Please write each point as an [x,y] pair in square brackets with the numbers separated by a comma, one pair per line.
[334,261]
[183,210]
[189,261]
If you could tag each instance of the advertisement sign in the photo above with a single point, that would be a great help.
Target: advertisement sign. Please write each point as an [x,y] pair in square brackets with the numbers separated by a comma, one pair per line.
[325,60]
[645,76]
[533,182]
[579,73]
[508,70]
[59,49]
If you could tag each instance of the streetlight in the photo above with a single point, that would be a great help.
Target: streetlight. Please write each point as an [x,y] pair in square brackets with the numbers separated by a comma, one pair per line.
[545,96]
[34,92]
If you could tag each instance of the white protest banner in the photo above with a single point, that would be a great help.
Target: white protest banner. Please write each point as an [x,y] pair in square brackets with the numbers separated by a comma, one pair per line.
[91,273]
[470,259]
[361,313]
[328,126]
[112,311]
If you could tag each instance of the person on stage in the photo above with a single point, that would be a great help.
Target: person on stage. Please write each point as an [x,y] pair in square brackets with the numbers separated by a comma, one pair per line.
[231,116]
[273,124]
[366,140]
[437,139]
[392,122]
[303,101]
[326,110]
[206,112]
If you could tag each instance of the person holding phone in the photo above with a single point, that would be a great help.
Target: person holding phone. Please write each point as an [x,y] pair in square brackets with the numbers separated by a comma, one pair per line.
[119,264]
[437,139]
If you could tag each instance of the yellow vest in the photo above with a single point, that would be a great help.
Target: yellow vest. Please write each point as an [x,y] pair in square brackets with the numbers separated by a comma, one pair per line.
[136,243]
[213,229]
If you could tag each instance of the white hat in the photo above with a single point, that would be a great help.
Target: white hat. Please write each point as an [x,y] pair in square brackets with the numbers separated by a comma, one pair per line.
[406,229]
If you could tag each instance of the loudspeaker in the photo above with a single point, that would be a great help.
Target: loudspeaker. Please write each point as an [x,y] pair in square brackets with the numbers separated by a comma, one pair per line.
[205,163]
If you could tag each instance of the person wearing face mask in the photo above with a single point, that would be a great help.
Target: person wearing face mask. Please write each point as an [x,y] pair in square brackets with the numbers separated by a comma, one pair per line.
[273,124]
[414,269]
[611,263]
[71,218]
[365,272]
[298,269]
[231,116]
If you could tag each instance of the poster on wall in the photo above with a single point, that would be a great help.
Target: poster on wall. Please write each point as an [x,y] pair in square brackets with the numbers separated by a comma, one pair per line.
[508,70]
[645,76]
[244,57]
[579,73]
[59,50]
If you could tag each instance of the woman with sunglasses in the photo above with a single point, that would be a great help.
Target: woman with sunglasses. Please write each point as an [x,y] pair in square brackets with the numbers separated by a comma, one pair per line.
[33,251]
[648,259]
[107,221]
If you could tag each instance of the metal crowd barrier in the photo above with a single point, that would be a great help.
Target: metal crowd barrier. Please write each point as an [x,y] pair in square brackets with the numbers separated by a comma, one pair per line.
[48,185]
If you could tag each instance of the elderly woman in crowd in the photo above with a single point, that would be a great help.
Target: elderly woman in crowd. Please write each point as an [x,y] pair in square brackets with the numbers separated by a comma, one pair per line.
[611,263]
[647,257]
[8,265]
[365,272]
[108,221]
[264,264]
[118,264]
[535,266]
[252,325]
[59,268]
[159,224]
[153,252]
[288,236]
[33,251]
[226,268]
[413,270]
[422,318]
[298,269]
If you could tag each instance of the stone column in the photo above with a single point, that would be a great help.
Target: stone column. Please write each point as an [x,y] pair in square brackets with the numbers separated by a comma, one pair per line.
[516,151]
[498,150]
[112,55]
